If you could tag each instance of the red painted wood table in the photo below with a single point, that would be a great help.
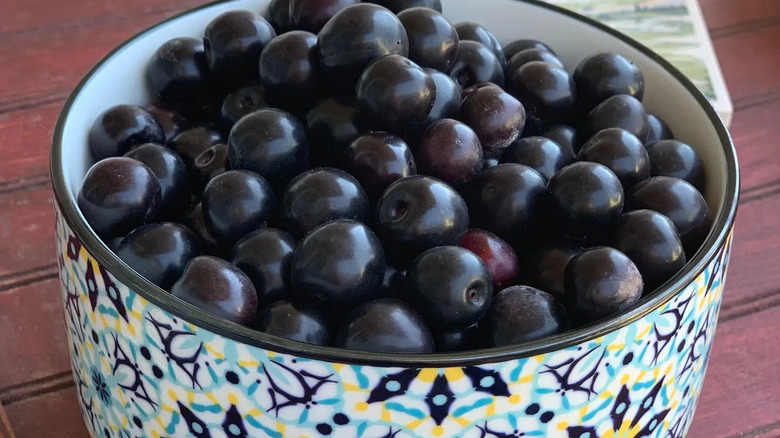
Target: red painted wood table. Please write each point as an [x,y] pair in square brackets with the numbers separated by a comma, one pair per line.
[47,45]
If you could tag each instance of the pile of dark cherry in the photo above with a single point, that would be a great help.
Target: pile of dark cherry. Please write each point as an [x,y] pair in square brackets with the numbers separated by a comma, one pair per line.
[383,180]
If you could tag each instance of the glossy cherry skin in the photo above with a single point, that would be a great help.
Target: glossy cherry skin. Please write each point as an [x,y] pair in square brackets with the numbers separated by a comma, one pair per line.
[278,15]
[603,75]
[622,152]
[470,338]
[679,201]
[172,122]
[417,213]
[385,325]
[547,92]
[539,153]
[508,200]
[677,159]
[650,240]
[272,143]
[321,195]
[311,15]
[290,70]
[241,102]
[548,265]
[530,55]
[476,63]
[377,160]
[333,124]
[499,258]
[585,198]
[236,203]
[657,129]
[195,222]
[601,282]
[518,46]
[471,31]
[178,75]
[118,195]
[338,265]
[219,288]
[495,115]
[265,256]
[159,252]
[448,98]
[121,127]
[355,37]
[523,314]
[394,283]
[212,162]
[565,136]
[171,173]
[397,6]
[450,151]
[621,111]
[233,42]
[394,94]
[193,142]
[433,41]
[451,286]
[295,322]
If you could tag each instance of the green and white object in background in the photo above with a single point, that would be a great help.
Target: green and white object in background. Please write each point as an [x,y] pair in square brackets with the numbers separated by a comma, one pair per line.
[675,29]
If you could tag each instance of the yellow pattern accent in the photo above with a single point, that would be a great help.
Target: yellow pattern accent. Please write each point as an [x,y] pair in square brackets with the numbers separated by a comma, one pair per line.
[190,397]
[173,395]
[624,379]
[216,353]
[353,387]
[385,414]
[525,379]
[491,410]
[280,427]
[361,406]
[616,347]
[515,398]
[338,366]
[454,374]
[254,413]
[248,363]
[131,329]
[415,424]
[563,425]
[438,430]
[462,421]
[232,399]
[428,375]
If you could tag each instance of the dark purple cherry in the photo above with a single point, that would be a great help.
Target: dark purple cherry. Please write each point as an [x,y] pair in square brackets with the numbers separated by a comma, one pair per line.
[333,124]
[470,338]
[377,160]
[398,6]
[233,42]
[650,240]
[219,288]
[585,198]
[451,286]
[355,37]
[621,151]
[657,129]
[290,70]
[394,283]
[495,115]
[508,200]
[212,162]
[433,41]
[394,94]
[172,122]
[159,252]
[118,195]
[338,265]
[548,265]
[272,143]
[236,203]
[195,222]
[417,213]
[539,153]
[119,128]
[311,15]
[601,282]
[565,136]
[476,63]
[621,111]
[385,325]
[321,195]
[529,55]
[290,321]
[171,173]
[499,258]
[193,142]
[523,314]
[547,92]
[265,256]
[603,75]
[278,15]
[679,201]
[178,75]
[677,159]
[518,46]
[450,151]
[448,97]
[241,102]
[471,31]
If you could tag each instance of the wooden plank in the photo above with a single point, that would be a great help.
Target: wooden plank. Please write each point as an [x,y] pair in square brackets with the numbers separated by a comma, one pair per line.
[728,17]
[26,233]
[750,63]
[755,131]
[5,424]
[742,387]
[25,137]
[53,415]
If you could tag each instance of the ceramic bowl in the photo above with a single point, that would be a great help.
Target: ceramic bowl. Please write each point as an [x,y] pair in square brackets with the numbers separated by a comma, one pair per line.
[149,365]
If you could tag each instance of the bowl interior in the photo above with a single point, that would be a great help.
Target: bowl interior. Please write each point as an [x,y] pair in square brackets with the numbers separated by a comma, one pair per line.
[120,79]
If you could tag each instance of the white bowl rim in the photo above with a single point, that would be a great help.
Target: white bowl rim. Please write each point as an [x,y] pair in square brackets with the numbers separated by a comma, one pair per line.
[712,247]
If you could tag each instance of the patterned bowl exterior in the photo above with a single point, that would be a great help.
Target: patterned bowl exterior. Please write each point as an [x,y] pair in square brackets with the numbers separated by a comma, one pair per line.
[143,372]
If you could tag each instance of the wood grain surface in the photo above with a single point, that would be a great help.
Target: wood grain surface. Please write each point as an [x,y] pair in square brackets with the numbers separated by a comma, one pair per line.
[47,45]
